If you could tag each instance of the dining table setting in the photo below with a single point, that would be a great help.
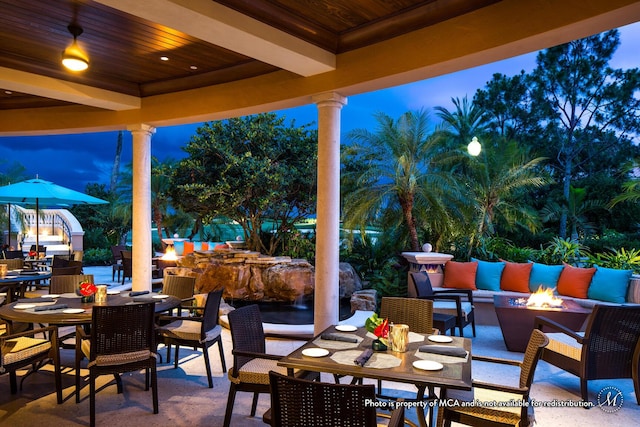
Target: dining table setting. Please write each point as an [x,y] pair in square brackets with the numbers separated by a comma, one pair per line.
[429,361]
[17,280]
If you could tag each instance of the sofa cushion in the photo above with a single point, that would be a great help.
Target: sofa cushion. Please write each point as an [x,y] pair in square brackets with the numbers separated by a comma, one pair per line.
[179,247]
[575,281]
[610,285]
[460,275]
[188,247]
[515,276]
[488,274]
[544,275]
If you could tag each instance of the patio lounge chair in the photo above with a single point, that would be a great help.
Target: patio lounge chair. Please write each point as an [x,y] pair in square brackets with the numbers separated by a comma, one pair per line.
[609,348]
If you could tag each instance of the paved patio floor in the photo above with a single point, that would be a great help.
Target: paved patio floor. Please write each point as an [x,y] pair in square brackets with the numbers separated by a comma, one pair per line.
[185,399]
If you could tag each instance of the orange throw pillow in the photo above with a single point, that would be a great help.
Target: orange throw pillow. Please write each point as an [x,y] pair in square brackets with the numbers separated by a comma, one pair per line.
[188,248]
[205,246]
[460,275]
[515,276]
[575,281]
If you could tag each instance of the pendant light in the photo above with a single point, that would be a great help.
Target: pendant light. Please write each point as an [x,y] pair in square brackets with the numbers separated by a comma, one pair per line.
[73,57]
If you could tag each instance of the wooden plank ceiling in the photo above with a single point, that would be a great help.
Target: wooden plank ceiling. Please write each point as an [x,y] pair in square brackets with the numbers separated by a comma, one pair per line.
[125,49]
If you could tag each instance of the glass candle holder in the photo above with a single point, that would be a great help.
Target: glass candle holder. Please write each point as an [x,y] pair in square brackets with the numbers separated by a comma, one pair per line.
[101,294]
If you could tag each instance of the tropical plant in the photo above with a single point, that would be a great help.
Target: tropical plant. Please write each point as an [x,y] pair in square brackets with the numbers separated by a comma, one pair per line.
[619,259]
[400,168]
[561,250]
[576,207]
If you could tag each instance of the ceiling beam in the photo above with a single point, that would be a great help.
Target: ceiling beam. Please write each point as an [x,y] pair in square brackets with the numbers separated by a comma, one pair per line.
[48,87]
[225,27]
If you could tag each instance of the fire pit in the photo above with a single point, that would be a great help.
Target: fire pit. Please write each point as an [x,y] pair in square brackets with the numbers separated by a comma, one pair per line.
[516,315]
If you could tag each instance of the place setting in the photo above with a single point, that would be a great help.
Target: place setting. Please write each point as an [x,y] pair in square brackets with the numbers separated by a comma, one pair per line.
[338,340]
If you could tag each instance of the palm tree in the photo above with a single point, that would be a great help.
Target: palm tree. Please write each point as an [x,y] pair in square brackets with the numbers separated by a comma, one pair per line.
[398,169]
[576,208]
[499,179]
[467,121]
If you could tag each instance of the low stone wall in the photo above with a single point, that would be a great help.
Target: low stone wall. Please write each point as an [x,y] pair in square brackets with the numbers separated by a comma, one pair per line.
[250,276]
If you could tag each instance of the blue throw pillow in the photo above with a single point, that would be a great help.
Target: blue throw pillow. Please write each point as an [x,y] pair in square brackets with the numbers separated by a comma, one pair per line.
[544,275]
[610,284]
[179,247]
[197,246]
[488,275]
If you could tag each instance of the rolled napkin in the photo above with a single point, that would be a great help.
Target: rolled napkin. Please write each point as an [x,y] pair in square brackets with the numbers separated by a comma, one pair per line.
[51,307]
[29,273]
[444,350]
[335,337]
[364,357]
[143,299]
[37,300]
[138,293]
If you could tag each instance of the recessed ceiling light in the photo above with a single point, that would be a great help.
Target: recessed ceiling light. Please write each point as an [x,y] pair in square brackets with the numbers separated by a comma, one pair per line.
[194,67]
[164,58]
[8,92]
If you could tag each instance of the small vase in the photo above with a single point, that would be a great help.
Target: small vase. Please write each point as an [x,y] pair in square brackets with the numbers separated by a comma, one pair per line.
[86,299]
[378,345]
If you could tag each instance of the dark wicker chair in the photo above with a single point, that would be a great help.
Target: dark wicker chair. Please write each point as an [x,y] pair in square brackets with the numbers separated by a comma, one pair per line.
[122,340]
[20,350]
[127,265]
[61,260]
[196,332]
[476,415]
[457,302]
[72,268]
[417,313]
[609,348]
[251,364]
[299,402]
[116,261]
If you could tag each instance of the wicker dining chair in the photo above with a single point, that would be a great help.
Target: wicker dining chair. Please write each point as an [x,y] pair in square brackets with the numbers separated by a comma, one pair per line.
[299,402]
[127,265]
[417,313]
[122,339]
[181,287]
[13,263]
[609,348]
[21,350]
[197,332]
[251,363]
[69,283]
[456,302]
[460,411]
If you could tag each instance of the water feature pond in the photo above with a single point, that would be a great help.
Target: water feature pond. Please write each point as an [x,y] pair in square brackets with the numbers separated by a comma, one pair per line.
[298,313]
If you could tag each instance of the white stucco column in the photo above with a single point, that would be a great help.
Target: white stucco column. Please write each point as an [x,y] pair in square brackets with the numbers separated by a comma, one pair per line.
[326,297]
[141,209]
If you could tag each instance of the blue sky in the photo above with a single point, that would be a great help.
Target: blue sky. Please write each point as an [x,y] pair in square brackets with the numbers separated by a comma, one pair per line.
[75,160]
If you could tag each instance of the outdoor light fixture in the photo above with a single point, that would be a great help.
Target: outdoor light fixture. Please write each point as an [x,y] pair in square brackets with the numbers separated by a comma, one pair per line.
[474,147]
[73,57]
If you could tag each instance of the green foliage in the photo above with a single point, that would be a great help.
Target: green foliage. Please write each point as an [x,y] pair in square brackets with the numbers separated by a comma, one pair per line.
[97,256]
[390,280]
[299,245]
[96,238]
[249,169]
[368,255]
[620,259]
[560,251]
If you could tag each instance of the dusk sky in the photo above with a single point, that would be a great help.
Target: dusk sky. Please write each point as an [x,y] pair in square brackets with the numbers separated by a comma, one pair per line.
[75,160]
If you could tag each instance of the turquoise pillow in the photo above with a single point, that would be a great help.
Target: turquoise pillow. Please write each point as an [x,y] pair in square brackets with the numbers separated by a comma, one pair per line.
[544,275]
[488,275]
[197,246]
[610,284]
[179,247]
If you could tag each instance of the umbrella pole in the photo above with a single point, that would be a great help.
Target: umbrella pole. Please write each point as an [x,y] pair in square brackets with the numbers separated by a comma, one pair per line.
[37,229]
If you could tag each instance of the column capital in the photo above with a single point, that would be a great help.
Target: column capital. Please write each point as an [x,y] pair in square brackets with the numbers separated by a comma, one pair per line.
[141,127]
[329,99]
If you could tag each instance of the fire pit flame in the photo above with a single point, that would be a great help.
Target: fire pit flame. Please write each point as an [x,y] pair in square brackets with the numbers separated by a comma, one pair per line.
[170,254]
[544,297]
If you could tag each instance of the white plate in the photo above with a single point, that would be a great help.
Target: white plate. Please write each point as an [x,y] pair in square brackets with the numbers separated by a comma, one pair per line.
[10,277]
[73,310]
[160,296]
[427,365]
[439,338]
[346,328]
[113,292]
[23,306]
[52,296]
[315,352]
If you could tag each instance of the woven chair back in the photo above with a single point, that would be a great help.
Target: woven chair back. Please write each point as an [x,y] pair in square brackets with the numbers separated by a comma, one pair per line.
[13,264]
[247,333]
[417,313]
[122,329]
[178,286]
[68,283]
[296,402]
[210,315]
[537,342]
[421,283]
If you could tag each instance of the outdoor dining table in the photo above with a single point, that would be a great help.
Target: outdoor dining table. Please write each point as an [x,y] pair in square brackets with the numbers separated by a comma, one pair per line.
[338,357]
[16,281]
[76,312]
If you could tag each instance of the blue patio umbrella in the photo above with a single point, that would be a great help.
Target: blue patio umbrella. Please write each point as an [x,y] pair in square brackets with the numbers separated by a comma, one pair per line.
[38,192]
